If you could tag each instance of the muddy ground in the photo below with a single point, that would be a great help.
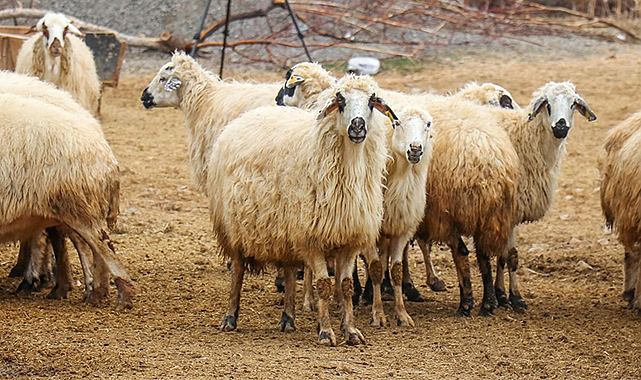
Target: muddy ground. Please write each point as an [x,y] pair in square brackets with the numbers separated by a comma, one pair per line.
[577,325]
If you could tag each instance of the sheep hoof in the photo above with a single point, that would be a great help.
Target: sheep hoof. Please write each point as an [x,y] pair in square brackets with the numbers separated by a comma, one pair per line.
[378,318]
[95,296]
[16,271]
[228,323]
[438,285]
[27,287]
[353,337]
[629,296]
[412,294]
[279,283]
[327,338]
[58,293]
[501,298]
[286,323]
[465,308]
[125,294]
[518,303]
[403,319]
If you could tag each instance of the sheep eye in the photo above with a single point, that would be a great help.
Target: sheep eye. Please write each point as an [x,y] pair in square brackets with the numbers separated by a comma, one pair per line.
[428,125]
[163,80]
[549,108]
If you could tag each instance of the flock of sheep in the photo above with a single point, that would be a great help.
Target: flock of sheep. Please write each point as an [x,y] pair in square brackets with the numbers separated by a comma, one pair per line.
[340,168]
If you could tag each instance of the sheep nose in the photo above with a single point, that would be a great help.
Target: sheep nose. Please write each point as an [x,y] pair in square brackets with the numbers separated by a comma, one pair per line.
[416,147]
[561,123]
[561,129]
[357,130]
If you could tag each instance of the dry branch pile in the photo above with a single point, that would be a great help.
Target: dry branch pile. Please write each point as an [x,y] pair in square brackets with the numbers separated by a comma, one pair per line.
[391,28]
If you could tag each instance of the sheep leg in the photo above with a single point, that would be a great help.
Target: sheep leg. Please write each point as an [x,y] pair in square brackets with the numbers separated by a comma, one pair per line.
[376,277]
[637,298]
[435,283]
[517,302]
[279,281]
[630,275]
[23,260]
[86,261]
[344,269]
[368,292]
[318,265]
[309,303]
[397,243]
[489,294]
[410,291]
[287,318]
[460,255]
[358,289]
[63,266]
[31,276]
[230,318]
[387,290]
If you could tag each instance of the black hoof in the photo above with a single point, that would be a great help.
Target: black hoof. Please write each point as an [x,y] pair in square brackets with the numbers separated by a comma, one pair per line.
[438,285]
[16,272]
[286,323]
[330,272]
[229,265]
[629,296]
[412,294]
[487,309]
[58,293]
[465,308]
[518,303]
[228,323]
[353,339]
[26,287]
[300,275]
[501,298]
[279,282]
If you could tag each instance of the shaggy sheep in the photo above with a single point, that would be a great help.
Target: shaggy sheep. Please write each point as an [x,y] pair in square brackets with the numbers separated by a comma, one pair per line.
[207,102]
[285,188]
[58,172]
[487,94]
[538,134]
[56,55]
[31,87]
[620,189]
[471,192]
[410,149]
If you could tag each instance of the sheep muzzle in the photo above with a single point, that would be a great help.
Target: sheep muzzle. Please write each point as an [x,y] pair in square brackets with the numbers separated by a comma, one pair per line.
[56,48]
[147,99]
[357,130]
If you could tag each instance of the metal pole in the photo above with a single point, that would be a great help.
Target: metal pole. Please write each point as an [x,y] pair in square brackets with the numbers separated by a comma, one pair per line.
[225,33]
[202,25]
[300,35]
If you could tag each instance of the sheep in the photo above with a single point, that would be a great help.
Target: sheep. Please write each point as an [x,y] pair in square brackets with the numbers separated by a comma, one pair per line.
[58,174]
[31,87]
[207,102]
[620,189]
[285,188]
[479,200]
[55,54]
[487,94]
[538,134]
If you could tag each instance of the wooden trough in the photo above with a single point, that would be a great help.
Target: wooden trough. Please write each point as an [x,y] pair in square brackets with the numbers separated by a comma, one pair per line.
[108,52]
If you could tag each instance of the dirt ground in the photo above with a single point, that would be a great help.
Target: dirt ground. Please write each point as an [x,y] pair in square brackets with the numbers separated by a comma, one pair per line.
[577,325]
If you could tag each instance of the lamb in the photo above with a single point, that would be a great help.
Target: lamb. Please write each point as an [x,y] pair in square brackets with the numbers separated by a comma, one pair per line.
[620,189]
[72,195]
[55,54]
[538,133]
[31,87]
[208,103]
[287,189]
[479,200]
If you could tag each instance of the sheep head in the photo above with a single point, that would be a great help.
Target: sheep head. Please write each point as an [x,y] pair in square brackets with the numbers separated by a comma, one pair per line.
[488,94]
[559,101]
[303,81]
[352,103]
[413,135]
[163,89]
[54,28]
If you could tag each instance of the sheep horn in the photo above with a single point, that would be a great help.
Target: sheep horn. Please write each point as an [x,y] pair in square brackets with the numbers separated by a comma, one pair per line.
[74,30]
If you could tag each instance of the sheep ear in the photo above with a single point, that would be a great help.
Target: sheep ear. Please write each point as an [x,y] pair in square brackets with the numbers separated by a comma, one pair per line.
[329,107]
[172,84]
[505,102]
[537,107]
[584,109]
[33,29]
[74,30]
[294,81]
[381,106]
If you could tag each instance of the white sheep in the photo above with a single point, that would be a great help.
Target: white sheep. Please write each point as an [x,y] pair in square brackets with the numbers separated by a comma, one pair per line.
[538,134]
[55,54]
[289,187]
[487,94]
[471,192]
[57,171]
[31,87]
[207,102]
[620,189]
